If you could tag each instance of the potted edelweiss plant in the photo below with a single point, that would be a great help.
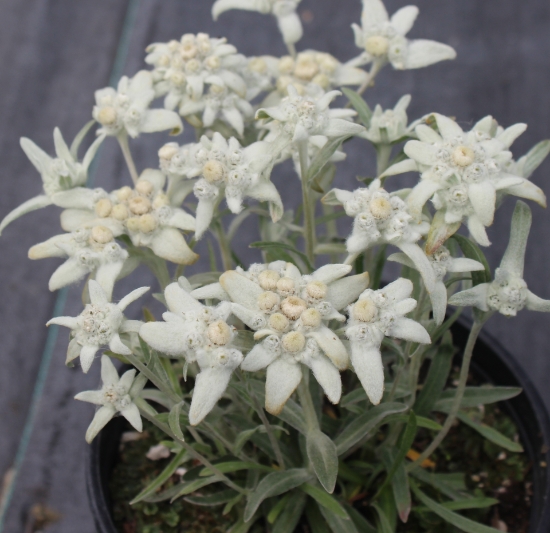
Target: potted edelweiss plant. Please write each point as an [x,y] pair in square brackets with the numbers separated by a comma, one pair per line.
[300,393]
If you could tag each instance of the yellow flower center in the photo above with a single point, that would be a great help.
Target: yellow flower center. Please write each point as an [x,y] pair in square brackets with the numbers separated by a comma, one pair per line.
[294,342]
[380,208]
[292,307]
[103,207]
[377,45]
[107,116]
[268,280]
[364,310]
[219,333]
[267,301]
[278,322]
[102,235]
[139,205]
[213,171]
[463,156]
[311,318]
[316,289]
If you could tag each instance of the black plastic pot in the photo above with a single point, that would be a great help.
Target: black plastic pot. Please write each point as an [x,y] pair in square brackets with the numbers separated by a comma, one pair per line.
[491,364]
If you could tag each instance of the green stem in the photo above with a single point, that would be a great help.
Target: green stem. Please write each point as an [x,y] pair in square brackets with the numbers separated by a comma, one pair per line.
[467,357]
[125,147]
[291,49]
[306,401]
[308,205]
[147,412]
[225,250]
[383,154]
[375,69]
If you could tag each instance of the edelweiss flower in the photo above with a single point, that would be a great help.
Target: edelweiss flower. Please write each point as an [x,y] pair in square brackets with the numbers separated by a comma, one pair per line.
[285,11]
[126,110]
[197,333]
[115,396]
[182,68]
[377,314]
[225,167]
[461,171]
[383,39]
[58,174]
[288,313]
[304,116]
[98,325]
[142,213]
[508,293]
[89,251]
[389,126]
[441,262]
[311,73]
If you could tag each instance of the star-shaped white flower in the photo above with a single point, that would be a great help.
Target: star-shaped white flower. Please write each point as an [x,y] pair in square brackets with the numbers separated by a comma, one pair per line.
[100,324]
[461,172]
[284,10]
[441,263]
[197,333]
[126,109]
[375,315]
[508,293]
[304,116]
[384,40]
[58,173]
[143,213]
[115,396]
[225,167]
[390,125]
[289,313]
[89,251]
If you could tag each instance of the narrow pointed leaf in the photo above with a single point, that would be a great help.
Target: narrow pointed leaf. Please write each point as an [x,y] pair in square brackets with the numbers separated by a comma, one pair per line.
[270,246]
[383,521]
[289,518]
[474,396]
[363,110]
[321,451]
[399,484]
[361,523]
[272,485]
[323,156]
[235,466]
[535,157]
[174,420]
[473,251]
[211,500]
[467,503]
[337,523]
[315,519]
[491,434]
[323,498]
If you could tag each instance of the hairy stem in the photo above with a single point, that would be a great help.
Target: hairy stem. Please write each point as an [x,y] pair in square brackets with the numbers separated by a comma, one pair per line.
[147,412]
[374,70]
[467,357]
[309,206]
[225,250]
[291,49]
[383,153]
[125,147]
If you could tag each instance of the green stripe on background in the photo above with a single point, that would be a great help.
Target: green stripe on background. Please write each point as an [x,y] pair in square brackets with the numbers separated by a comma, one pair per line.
[116,72]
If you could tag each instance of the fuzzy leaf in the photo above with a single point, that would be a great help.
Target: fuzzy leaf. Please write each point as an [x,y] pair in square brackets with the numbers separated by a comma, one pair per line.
[399,484]
[359,520]
[473,251]
[289,518]
[270,246]
[323,156]
[272,485]
[474,396]
[211,500]
[315,519]
[174,420]
[535,157]
[235,466]
[363,110]
[491,434]
[323,498]
[337,523]
[321,451]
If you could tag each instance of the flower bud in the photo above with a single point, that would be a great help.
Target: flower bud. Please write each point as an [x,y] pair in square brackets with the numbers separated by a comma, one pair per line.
[144,187]
[463,156]
[294,342]
[123,193]
[107,116]
[377,45]
[286,286]
[268,301]
[133,224]
[213,171]
[219,333]
[316,290]
[311,318]
[147,223]
[293,307]
[278,322]
[139,205]
[268,280]
[364,310]
[101,234]
[103,208]
[119,212]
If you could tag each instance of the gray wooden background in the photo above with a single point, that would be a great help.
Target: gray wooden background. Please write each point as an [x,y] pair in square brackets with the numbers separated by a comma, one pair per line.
[55,53]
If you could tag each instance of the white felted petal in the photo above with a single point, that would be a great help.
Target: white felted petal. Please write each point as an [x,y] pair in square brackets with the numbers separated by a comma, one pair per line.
[327,375]
[109,374]
[107,274]
[133,296]
[422,52]
[181,220]
[258,358]
[360,43]
[166,337]
[409,330]
[408,165]
[338,127]
[343,292]
[235,119]
[97,294]
[448,127]
[438,298]
[40,159]
[477,230]
[169,244]
[78,198]
[492,147]
[475,297]
[241,289]
[131,326]
[205,212]
[179,301]
[281,381]
[420,194]
[224,5]
[424,153]
[358,242]
[155,177]
[38,202]
[65,321]
[404,306]
[73,351]
[403,19]
[483,199]
[126,380]
[61,149]
[210,384]
[72,219]
[253,319]
[329,273]
[212,291]
[290,27]
[402,259]
[265,191]
[91,396]
[100,420]
[374,13]
[421,263]
[69,272]
[131,413]
[427,134]
[485,124]
[161,120]
[505,181]
[117,346]
[509,135]
[463,264]
[50,248]
[91,152]
[398,290]
[87,356]
[367,363]
[529,191]
[534,303]
[333,347]
[514,256]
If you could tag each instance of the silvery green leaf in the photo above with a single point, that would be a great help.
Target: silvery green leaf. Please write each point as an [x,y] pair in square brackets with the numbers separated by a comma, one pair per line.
[321,451]
[514,256]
